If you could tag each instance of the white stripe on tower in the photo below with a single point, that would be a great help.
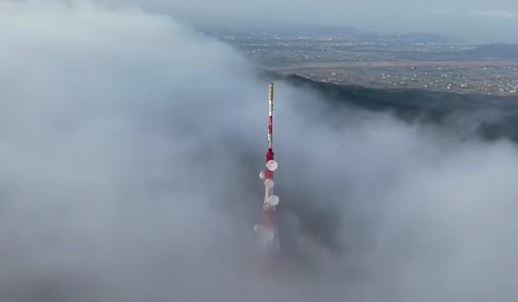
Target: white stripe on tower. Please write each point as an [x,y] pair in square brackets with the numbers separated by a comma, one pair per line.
[270,116]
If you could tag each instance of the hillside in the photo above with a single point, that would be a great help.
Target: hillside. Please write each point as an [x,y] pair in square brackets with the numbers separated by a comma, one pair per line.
[494,117]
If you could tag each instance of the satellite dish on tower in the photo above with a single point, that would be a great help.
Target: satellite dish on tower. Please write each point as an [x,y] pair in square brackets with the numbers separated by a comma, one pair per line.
[258,228]
[273,200]
[272,165]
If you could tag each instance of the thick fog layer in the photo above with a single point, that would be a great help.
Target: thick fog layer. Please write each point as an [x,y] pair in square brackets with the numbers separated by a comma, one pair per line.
[130,147]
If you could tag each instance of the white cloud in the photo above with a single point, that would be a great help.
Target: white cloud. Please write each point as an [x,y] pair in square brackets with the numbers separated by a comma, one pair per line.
[444,11]
[506,14]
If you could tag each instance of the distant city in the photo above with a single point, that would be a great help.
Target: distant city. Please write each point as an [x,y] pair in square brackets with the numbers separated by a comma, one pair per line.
[347,56]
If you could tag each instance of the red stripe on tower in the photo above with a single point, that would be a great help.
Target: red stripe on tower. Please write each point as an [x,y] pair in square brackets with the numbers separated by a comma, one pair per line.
[268,234]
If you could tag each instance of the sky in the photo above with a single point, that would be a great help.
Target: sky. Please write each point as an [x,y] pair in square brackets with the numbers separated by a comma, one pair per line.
[130,147]
[472,20]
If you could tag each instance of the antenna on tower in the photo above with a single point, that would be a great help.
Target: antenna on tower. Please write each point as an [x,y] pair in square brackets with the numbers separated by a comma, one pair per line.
[267,230]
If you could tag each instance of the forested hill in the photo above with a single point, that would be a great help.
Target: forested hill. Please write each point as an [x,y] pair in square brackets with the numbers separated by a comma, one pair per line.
[425,106]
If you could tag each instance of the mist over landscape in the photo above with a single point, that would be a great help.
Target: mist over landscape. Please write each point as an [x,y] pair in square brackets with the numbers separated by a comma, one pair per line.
[130,145]
[480,21]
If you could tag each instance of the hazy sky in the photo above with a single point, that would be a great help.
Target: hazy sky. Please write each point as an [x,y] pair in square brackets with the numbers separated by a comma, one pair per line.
[474,20]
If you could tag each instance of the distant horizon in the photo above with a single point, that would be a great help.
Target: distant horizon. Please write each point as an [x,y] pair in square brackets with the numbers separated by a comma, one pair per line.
[238,24]
[474,21]
[272,26]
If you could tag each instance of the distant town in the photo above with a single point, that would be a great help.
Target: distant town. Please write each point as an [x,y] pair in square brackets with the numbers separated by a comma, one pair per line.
[347,56]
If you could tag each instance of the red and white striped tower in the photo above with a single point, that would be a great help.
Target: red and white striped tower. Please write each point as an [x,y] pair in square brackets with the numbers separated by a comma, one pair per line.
[267,230]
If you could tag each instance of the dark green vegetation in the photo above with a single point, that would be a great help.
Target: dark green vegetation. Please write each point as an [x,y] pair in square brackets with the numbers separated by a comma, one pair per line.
[492,117]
